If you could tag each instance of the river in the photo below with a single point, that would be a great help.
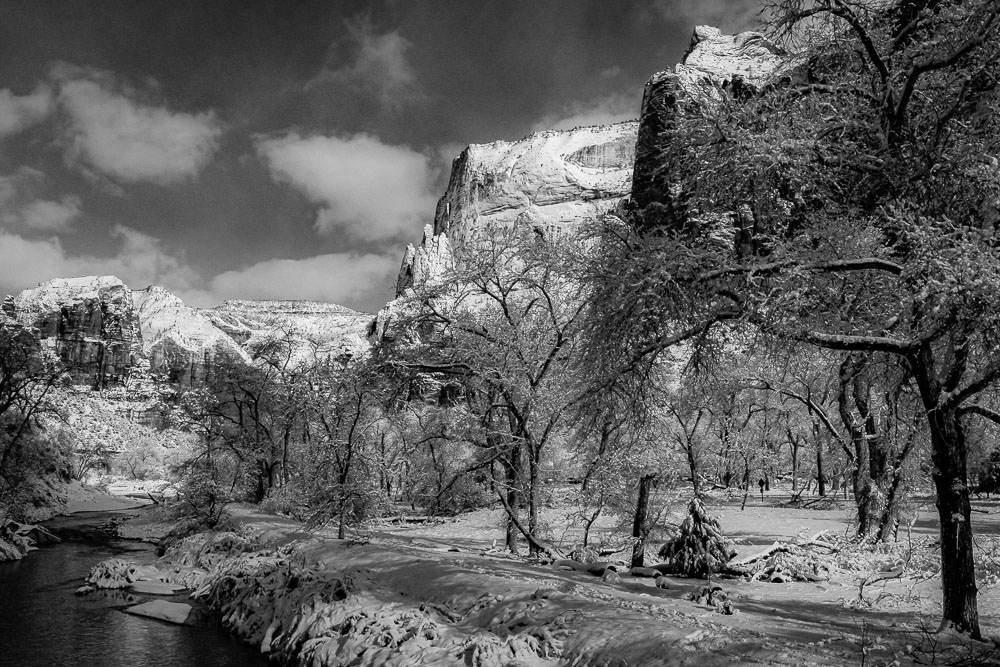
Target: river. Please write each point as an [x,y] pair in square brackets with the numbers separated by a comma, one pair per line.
[43,623]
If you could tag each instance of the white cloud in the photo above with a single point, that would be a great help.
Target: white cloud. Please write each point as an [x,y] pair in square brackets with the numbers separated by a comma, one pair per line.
[606,110]
[18,112]
[730,16]
[342,278]
[366,188]
[139,261]
[128,140]
[362,281]
[379,66]
[24,206]
[44,215]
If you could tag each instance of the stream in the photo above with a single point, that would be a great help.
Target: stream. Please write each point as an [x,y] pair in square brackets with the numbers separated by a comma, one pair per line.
[43,623]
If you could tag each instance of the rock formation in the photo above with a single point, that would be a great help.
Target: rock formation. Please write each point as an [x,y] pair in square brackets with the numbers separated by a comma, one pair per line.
[715,64]
[89,323]
[303,330]
[550,181]
[109,336]
[181,344]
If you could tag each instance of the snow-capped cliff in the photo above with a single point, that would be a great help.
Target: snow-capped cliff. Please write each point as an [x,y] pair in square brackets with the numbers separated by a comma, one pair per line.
[107,333]
[549,181]
[714,63]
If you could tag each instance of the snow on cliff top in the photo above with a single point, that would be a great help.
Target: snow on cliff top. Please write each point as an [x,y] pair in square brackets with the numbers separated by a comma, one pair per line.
[162,315]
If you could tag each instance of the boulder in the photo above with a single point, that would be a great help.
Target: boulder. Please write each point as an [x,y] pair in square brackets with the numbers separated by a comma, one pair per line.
[155,588]
[172,612]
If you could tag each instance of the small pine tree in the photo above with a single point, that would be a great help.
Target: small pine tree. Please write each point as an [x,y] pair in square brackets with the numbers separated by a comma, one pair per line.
[699,549]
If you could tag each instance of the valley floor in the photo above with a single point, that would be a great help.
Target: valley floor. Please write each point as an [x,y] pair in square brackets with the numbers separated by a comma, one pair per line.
[437,593]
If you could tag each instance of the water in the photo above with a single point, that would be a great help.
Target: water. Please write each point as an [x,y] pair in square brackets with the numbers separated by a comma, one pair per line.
[43,623]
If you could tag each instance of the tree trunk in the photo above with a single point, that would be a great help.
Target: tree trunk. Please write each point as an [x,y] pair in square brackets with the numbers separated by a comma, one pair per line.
[820,482]
[533,467]
[639,527]
[958,574]
[511,468]
[794,443]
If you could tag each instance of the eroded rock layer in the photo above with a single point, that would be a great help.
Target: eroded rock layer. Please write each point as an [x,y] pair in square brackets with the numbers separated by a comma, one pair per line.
[111,336]
[715,65]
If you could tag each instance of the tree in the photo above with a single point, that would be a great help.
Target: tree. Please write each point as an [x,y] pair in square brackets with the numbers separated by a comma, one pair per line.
[852,207]
[505,325]
[27,377]
[348,406]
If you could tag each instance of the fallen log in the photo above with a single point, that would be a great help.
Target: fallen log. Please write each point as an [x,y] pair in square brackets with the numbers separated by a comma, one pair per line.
[593,568]
[753,558]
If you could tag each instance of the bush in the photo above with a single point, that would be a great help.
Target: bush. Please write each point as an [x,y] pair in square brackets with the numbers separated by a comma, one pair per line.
[699,549]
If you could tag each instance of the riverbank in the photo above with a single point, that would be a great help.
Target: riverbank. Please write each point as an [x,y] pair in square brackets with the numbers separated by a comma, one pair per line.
[17,539]
[42,622]
[438,594]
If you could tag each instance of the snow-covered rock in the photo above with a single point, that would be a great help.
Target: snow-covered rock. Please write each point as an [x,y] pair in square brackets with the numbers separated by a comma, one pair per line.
[89,322]
[112,337]
[181,343]
[550,181]
[311,329]
[714,64]
[171,612]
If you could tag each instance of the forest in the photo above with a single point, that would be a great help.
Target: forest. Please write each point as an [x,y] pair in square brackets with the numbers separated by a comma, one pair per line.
[810,304]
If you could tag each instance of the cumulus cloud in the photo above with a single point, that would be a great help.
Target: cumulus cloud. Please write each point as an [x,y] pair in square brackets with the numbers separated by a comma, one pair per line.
[368,189]
[128,140]
[354,280]
[18,112]
[609,109]
[379,66]
[44,215]
[139,260]
[23,205]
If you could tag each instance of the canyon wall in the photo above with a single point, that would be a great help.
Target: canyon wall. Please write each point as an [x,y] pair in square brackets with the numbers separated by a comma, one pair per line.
[109,336]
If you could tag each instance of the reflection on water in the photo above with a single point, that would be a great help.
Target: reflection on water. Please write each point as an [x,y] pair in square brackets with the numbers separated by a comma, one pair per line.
[43,623]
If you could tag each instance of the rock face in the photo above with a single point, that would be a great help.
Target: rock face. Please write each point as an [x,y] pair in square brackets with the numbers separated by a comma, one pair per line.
[715,64]
[550,181]
[299,330]
[181,344]
[109,335]
[89,322]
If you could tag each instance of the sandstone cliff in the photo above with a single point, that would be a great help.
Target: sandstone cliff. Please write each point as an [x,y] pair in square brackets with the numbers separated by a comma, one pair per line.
[550,181]
[90,323]
[110,336]
[715,65]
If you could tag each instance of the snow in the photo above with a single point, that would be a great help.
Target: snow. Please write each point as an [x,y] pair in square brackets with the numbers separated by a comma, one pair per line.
[171,612]
[436,593]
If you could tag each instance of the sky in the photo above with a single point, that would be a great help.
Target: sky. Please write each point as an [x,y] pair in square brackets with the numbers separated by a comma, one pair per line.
[287,149]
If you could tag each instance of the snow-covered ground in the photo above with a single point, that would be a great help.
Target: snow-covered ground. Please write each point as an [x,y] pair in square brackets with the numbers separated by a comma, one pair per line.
[436,593]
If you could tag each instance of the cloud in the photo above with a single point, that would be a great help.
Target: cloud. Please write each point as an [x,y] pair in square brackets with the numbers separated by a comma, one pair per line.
[368,189]
[128,140]
[379,66]
[139,260]
[731,16]
[613,108]
[18,112]
[355,280]
[362,281]
[23,206]
[44,215]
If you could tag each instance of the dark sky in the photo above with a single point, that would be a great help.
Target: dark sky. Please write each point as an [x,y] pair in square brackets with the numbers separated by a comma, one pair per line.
[284,148]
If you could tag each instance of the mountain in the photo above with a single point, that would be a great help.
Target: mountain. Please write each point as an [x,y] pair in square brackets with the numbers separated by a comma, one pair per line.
[549,181]
[110,336]
[714,65]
